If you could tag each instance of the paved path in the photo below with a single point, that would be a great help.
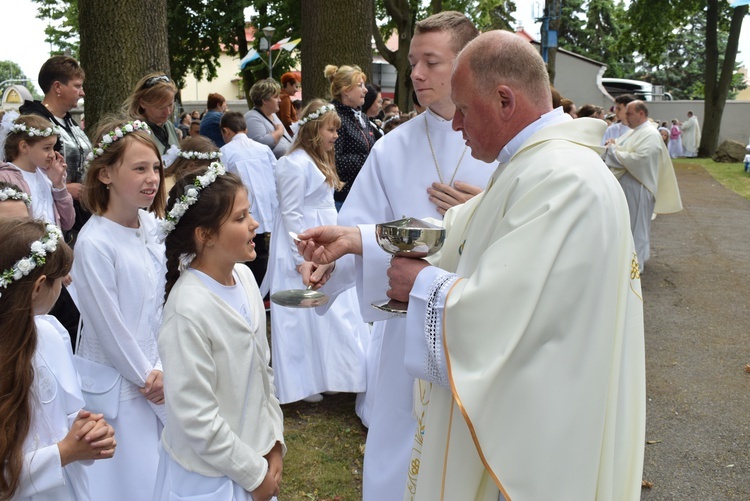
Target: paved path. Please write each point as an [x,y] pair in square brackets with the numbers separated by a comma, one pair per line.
[696,289]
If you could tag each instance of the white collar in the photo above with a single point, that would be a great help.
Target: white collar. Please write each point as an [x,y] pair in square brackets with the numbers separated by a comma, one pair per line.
[550,118]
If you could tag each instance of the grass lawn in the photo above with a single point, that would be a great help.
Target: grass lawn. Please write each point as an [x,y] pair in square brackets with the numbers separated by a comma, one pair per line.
[732,176]
[325,447]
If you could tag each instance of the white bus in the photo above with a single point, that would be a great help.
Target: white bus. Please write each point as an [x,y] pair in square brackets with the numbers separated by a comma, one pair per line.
[642,90]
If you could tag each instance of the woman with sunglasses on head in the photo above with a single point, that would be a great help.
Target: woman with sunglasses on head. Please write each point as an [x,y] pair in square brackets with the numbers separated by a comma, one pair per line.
[152,101]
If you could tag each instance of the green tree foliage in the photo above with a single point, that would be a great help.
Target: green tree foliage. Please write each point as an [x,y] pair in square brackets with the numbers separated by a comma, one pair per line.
[62,28]
[199,32]
[486,14]
[663,22]
[682,67]
[11,71]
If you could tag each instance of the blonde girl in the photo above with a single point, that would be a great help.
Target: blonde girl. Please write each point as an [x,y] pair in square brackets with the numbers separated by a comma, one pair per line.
[312,354]
[40,450]
[119,275]
[32,163]
[223,437]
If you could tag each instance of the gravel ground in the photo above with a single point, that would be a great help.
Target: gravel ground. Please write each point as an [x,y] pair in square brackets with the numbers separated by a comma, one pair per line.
[696,289]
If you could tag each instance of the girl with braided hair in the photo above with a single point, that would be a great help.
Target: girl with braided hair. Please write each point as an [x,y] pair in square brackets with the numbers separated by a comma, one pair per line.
[223,437]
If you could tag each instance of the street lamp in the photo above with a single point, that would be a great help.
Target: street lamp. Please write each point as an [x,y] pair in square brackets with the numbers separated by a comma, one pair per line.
[268,33]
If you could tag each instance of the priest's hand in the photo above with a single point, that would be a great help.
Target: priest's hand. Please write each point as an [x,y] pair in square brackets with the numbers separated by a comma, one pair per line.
[315,274]
[401,276]
[444,196]
[325,244]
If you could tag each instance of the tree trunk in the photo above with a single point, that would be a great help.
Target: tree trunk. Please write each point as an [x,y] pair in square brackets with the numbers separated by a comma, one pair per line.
[401,12]
[120,43]
[337,33]
[717,82]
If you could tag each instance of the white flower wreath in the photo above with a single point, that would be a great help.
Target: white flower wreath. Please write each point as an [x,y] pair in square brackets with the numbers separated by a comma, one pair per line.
[114,135]
[192,191]
[39,250]
[200,155]
[316,114]
[13,194]
[33,131]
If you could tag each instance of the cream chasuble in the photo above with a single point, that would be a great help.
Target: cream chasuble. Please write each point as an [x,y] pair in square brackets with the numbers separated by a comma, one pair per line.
[542,334]
[643,154]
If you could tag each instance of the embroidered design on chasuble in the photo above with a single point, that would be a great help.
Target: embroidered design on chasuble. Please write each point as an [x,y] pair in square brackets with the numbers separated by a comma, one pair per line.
[424,389]
[635,271]
[635,274]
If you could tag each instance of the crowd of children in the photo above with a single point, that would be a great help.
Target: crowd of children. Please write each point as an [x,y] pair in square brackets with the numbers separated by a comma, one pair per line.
[172,352]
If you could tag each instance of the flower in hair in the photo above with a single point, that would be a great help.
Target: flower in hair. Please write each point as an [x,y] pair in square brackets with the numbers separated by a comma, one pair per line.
[200,155]
[192,191]
[17,128]
[115,135]
[13,194]
[38,256]
[316,114]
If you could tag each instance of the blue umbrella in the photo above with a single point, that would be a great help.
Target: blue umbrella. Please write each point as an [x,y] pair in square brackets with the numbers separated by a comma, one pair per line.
[739,3]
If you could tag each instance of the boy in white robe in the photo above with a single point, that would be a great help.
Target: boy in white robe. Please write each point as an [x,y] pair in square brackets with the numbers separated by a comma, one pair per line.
[254,163]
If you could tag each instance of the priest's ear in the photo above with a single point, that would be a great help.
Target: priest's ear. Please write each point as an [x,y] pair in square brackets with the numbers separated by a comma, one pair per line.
[505,101]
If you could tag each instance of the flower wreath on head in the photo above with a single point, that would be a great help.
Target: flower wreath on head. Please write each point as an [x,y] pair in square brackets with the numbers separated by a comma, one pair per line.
[316,114]
[199,155]
[39,250]
[17,128]
[114,135]
[192,191]
[13,194]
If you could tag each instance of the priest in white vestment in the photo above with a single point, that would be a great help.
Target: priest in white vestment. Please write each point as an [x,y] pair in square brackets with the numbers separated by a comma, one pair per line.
[417,170]
[641,163]
[691,135]
[529,324]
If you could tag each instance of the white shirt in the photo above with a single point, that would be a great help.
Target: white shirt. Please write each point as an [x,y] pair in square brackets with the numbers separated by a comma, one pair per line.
[254,163]
[42,204]
[234,295]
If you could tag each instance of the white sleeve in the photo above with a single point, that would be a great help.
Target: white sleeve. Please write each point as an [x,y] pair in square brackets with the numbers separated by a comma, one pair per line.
[42,471]
[290,189]
[96,283]
[371,277]
[424,355]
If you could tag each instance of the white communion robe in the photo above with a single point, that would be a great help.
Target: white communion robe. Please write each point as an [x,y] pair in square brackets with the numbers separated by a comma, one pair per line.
[641,162]
[614,131]
[56,400]
[119,277]
[310,353]
[393,183]
[691,136]
[534,309]
[254,163]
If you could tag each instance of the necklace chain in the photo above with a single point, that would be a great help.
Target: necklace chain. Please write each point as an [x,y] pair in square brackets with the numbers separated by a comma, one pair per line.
[434,157]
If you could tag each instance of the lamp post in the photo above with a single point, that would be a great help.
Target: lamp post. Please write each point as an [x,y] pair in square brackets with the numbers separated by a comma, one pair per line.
[268,33]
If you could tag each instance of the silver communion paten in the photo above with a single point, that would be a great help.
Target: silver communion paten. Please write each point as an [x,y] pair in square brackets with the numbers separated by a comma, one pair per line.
[299,298]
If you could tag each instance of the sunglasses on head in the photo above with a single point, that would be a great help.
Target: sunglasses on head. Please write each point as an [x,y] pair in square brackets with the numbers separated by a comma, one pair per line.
[155,80]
